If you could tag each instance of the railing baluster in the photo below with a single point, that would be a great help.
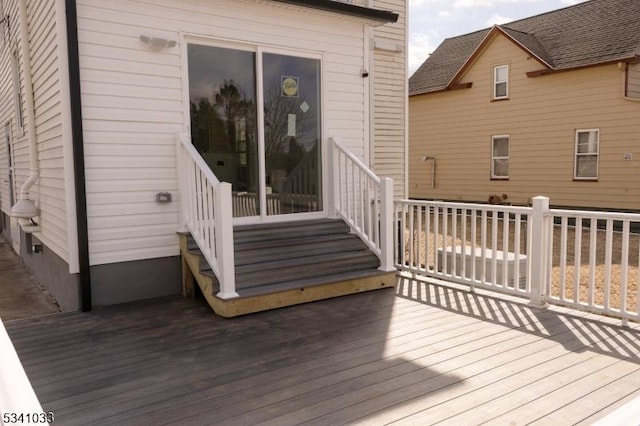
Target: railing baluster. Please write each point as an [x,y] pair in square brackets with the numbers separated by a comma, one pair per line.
[505,249]
[494,247]
[474,218]
[593,234]
[463,217]
[454,242]
[436,219]
[576,264]
[412,236]
[516,247]
[427,232]
[563,258]
[625,271]
[443,239]
[483,247]
[608,250]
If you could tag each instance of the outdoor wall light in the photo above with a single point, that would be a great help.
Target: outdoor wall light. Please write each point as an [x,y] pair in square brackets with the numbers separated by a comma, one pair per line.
[157,43]
[364,72]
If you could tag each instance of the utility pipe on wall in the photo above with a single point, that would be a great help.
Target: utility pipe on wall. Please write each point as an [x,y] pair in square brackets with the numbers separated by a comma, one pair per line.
[25,208]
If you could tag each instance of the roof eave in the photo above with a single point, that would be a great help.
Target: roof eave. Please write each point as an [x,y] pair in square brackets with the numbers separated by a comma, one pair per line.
[378,15]
[633,59]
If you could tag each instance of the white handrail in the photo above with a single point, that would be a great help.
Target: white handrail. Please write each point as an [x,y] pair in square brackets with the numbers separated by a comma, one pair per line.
[206,212]
[17,396]
[364,201]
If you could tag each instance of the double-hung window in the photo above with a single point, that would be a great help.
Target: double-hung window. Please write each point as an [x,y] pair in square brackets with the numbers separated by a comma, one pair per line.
[500,157]
[501,82]
[587,151]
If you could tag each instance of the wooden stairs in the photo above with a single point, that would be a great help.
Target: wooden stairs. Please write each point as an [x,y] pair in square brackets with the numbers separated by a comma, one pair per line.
[285,264]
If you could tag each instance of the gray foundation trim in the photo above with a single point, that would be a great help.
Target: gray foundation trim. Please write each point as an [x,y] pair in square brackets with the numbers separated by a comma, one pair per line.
[52,272]
[143,279]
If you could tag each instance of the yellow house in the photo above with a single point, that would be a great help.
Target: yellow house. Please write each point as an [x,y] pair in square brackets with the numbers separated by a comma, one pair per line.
[547,105]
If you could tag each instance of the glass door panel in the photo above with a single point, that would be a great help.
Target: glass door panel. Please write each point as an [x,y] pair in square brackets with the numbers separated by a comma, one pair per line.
[292,123]
[222,95]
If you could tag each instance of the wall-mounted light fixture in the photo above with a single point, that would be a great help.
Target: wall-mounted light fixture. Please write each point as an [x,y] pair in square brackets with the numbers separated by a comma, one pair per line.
[364,72]
[157,43]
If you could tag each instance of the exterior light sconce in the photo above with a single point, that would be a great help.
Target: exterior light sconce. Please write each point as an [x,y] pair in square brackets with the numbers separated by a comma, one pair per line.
[364,72]
[157,43]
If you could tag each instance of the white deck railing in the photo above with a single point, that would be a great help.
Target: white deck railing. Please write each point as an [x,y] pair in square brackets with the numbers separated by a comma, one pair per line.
[18,401]
[364,201]
[587,260]
[205,211]
[479,245]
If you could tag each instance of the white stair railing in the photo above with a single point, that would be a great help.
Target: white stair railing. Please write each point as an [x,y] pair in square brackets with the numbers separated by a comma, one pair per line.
[363,200]
[206,212]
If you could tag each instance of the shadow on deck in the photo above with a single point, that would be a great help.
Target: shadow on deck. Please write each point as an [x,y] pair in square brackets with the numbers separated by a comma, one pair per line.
[575,330]
[420,355]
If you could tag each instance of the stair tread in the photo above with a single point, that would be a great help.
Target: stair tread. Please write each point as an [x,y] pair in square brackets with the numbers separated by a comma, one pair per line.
[308,282]
[257,233]
[304,261]
[312,239]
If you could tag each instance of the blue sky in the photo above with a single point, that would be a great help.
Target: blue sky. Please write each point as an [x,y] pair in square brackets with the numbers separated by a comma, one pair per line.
[431,21]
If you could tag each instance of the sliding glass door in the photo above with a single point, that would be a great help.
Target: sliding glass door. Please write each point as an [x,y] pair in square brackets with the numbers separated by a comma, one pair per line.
[255,119]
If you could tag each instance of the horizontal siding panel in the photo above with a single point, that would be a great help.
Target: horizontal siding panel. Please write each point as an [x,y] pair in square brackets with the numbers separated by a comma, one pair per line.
[133,174]
[112,222]
[124,244]
[129,162]
[159,249]
[125,210]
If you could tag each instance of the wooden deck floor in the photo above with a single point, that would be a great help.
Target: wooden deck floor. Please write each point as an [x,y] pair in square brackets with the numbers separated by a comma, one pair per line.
[422,354]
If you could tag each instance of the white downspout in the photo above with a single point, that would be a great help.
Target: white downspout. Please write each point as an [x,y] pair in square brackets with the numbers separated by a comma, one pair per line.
[25,208]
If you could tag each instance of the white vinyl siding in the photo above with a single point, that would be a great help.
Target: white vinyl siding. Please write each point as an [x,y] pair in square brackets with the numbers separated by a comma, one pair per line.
[500,157]
[633,81]
[389,95]
[8,111]
[49,191]
[587,151]
[501,82]
[134,102]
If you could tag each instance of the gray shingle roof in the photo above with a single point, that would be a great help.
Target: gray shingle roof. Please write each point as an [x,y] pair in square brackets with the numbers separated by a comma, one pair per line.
[590,33]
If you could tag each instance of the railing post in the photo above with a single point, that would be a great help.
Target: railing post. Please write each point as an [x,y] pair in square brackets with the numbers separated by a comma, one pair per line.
[386,225]
[539,255]
[331,179]
[224,241]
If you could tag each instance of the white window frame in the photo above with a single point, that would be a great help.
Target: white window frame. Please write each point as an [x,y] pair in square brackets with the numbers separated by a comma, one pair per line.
[496,82]
[259,50]
[584,154]
[494,157]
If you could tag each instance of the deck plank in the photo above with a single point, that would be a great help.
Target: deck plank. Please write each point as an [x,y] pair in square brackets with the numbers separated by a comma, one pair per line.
[425,351]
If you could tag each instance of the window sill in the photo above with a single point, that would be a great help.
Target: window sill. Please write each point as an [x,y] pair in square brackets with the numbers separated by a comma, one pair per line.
[585,179]
[500,99]
[499,178]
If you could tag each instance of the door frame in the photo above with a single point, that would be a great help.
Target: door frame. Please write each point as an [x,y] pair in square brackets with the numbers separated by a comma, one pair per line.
[259,49]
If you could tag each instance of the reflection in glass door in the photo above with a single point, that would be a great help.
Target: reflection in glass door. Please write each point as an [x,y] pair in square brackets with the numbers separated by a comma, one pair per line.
[291,93]
[273,160]
[222,95]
